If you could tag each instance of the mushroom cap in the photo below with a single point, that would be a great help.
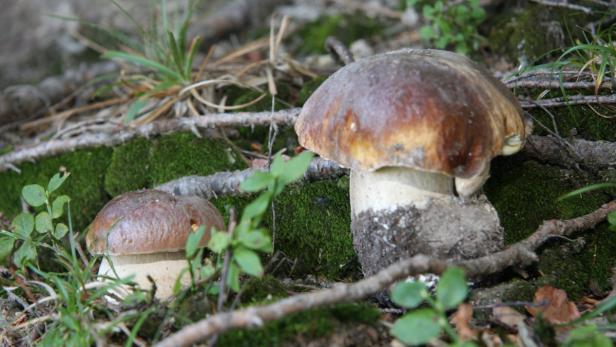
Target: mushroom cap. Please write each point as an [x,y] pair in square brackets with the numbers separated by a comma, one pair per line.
[150,221]
[431,110]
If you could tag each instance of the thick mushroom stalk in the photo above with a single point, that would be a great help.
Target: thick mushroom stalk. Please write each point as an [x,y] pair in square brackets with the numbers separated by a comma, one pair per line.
[418,129]
[397,212]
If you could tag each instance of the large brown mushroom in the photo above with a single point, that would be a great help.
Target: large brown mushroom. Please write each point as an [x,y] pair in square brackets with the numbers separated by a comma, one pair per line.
[144,234]
[418,129]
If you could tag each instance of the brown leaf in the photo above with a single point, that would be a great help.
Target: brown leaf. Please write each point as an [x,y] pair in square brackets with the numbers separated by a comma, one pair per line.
[461,320]
[508,317]
[552,304]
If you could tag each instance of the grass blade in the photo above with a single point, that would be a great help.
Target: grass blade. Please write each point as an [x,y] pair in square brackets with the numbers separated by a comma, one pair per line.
[586,189]
[145,62]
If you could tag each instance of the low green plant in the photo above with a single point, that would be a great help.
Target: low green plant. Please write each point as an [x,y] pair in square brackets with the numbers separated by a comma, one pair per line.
[451,26]
[29,231]
[425,324]
[77,294]
[248,238]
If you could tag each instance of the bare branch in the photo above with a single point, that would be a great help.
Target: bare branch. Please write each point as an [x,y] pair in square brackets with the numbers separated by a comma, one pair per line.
[564,4]
[521,253]
[595,155]
[228,183]
[570,100]
[556,84]
[55,147]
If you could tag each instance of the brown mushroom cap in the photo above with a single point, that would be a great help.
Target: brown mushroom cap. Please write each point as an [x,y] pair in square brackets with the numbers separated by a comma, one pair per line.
[149,221]
[430,110]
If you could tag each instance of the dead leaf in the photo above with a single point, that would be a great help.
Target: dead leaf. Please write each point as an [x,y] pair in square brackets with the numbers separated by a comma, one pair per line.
[552,304]
[461,320]
[508,317]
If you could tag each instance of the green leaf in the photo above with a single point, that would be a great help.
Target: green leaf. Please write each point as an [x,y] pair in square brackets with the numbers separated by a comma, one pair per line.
[587,336]
[233,277]
[56,181]
[43,222]
[23,224]
[256,239]
[409,294]
[24,254]
[257,207]
[207,271]
[34,195]
[452,288]
[134,109]
[586,190]
[6,247]
[417,327]
[60,231]
[219,241]
[296,167]
[611,217]
[248,261]
[193,241]
[426,32]
[257,181]
[57,206]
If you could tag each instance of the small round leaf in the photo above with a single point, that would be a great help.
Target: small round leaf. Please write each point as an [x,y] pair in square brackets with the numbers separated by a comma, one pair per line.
[60,231]
[452,288]
[417,327]
[409,294]
[43,222]
[34,195]
[23,224]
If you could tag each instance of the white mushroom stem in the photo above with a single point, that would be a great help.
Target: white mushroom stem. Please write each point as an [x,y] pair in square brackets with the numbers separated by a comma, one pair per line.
[398,213]
[392,187]
[164,268]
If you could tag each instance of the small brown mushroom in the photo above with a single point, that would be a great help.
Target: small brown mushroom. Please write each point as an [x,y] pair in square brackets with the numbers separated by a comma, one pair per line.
[145,232]
[415,127]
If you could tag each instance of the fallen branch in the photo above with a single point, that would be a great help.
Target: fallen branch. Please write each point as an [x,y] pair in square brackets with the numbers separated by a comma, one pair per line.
[55,147]
[556,84]
[563,4]
[595,155]
[30,100]
[569,101]
[228,183]
[521,254]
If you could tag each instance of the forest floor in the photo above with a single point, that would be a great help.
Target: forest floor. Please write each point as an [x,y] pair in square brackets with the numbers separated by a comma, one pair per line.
[142,104]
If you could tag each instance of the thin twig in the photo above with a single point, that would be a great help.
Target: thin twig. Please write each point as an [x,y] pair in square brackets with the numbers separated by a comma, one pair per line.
[564,4]
[56,147]
[521,253]
[570,100]
[228,183]
[339,51]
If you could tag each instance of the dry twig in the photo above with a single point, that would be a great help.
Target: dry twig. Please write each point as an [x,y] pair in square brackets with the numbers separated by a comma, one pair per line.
[521,253]
[55,147]
[228,183]
[564,4]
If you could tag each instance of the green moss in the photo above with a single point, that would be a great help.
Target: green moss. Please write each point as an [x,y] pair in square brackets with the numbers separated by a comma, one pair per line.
[185,154]
[309,324]
[345,28]
[85,186]
[129,167]
[313,228]
[533,31]
[525,194]
[146,163]
[586,122]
